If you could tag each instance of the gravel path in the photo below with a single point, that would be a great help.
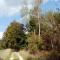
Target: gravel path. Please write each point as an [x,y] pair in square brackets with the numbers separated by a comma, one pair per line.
[16,55]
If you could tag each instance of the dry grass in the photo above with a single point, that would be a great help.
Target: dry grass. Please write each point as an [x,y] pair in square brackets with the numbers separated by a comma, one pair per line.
[4,54]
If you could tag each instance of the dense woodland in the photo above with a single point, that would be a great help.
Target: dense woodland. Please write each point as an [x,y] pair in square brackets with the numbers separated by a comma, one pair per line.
[41,33]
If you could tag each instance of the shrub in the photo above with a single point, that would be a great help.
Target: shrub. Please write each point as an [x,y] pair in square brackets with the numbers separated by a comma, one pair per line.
[34,43]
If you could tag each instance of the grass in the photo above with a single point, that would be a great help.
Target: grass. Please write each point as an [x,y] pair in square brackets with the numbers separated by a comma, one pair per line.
[26,55]
[4,54]
[42,55]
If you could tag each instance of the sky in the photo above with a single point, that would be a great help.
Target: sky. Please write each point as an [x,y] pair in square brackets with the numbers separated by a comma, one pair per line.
[11,10]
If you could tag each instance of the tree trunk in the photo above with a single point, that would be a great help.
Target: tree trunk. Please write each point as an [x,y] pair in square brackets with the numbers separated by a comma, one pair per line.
[34,35]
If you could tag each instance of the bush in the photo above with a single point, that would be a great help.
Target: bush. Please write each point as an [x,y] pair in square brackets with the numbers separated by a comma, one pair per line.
[34,43]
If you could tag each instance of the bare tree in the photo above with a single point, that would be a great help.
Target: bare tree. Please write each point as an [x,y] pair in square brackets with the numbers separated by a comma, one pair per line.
[36,12]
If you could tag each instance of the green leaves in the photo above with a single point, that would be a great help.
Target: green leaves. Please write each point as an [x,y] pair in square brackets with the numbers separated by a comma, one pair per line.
[14,36]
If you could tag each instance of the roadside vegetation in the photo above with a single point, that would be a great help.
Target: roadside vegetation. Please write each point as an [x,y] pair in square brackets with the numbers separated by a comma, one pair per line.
[39,39]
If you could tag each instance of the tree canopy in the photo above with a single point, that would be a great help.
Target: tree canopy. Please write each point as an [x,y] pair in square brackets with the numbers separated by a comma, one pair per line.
[14,37]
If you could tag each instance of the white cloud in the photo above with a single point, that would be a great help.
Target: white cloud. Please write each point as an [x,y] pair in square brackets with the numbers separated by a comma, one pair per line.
[2,2]
[10,7]
[45,1]
[1,34]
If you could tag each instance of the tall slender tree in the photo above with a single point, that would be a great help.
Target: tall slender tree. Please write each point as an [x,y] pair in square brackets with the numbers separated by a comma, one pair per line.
[37,12]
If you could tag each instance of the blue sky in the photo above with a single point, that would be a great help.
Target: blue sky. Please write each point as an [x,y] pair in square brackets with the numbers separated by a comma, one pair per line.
[51,5]
[11,10]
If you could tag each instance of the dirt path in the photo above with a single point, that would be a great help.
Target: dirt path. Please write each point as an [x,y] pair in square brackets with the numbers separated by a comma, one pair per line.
[16,55]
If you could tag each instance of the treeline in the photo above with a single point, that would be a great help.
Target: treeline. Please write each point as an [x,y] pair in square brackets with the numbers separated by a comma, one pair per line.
[18,37]
[49,38]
